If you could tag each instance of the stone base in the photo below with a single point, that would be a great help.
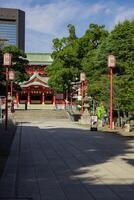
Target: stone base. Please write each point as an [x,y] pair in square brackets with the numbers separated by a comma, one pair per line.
[127,127]
[85,118]
[84,121]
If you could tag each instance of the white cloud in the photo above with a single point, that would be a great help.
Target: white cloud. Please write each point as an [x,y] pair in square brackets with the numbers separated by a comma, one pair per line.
[50,18]
[123,14]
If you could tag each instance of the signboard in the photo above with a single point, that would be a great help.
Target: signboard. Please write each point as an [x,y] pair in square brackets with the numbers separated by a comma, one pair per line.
[111,61]
[94,120]
[82,76]
[7,59]
[11,75]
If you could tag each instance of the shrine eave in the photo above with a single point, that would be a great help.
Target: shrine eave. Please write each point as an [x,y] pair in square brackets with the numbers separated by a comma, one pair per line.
[34,84]
[36,75]
[39,58]
[39,63]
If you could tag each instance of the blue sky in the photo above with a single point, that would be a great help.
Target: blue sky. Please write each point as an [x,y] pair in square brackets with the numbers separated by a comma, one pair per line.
[48,19]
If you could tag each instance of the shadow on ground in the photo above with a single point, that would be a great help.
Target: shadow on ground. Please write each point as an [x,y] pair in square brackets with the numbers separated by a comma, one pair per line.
[6,139]
[74,164]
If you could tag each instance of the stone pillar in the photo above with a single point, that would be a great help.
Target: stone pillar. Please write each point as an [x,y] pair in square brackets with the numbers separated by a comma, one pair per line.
[28,98]
[85,117]
[43,98]
[17,98]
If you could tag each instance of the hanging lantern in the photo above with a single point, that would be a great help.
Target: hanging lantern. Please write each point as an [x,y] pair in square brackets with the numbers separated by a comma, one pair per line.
[11,75]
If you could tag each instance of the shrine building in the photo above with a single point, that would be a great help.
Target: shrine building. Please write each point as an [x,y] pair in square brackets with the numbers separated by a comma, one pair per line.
[36,89]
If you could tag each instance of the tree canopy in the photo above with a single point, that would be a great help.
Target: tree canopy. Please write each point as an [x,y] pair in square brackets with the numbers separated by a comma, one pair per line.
[18,62]
[67,63]
[89,53]
[120,43]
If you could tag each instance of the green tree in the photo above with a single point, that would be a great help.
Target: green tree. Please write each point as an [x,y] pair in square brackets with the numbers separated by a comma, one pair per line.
[18,64]
[120,43]
[97,80]
[66,61]
[89,53]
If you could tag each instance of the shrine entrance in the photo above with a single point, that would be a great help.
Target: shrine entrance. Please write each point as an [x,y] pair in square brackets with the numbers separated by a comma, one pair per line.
[22,98]
[35,91]
[48,98]
[35,98]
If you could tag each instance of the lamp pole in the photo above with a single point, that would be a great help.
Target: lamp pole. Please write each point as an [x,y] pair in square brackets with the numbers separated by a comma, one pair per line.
[11,82]
[82,88]
[111,65]
[111,97]
[82,80]
[6,109]
[7,62]
[11,78]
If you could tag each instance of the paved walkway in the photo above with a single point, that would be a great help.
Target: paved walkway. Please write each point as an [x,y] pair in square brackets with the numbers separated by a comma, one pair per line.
[53,159]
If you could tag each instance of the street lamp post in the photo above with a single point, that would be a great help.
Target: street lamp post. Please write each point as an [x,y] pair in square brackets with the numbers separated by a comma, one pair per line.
[11,78]
[111,65]
[82,88]
[82,80]
[7,62]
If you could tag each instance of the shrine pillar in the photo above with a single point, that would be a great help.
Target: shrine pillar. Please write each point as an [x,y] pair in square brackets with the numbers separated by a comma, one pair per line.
[43,98]
[54,100]
[17,98]
[28,98]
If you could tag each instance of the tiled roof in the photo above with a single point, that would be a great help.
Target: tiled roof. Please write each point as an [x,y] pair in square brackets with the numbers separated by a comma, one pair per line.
[39,58]
[44,81]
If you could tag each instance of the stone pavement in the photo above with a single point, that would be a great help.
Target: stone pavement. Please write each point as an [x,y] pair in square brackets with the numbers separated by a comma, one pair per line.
[119,131]
[53,159]
[6,138]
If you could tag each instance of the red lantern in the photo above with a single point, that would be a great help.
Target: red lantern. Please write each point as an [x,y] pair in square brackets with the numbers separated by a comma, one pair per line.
[11,75]
[7,59]
[111,61]
[82,76]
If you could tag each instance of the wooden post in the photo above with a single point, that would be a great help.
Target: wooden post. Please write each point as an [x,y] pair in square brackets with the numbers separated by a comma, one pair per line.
[17,98]
[28,98]
[54,100]
[43,98]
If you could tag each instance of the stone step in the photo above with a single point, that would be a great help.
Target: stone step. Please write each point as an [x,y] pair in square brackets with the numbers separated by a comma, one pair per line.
[35,107]
[40,115]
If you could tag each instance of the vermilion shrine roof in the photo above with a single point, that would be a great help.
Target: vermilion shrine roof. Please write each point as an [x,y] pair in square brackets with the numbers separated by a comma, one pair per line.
[35,80]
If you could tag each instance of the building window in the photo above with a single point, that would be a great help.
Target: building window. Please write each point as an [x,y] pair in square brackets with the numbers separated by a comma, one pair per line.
[8,32]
